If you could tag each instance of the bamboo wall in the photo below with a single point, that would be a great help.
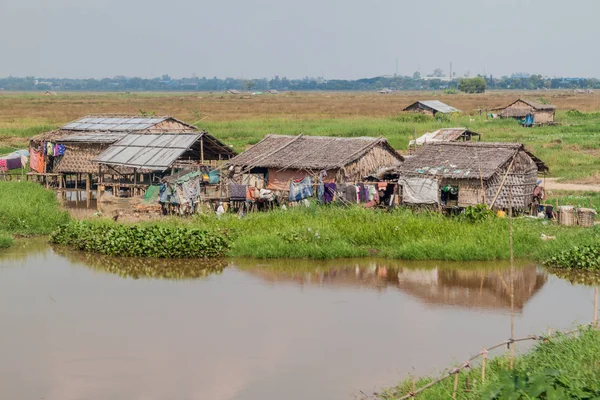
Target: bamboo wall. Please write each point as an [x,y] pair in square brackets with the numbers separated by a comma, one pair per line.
[520,181]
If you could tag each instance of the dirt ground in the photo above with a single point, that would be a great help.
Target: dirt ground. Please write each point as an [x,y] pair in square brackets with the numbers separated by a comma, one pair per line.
[552,184]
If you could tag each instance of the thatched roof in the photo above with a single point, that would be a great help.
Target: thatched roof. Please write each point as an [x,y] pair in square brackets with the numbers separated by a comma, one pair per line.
[308,152]
[537,106]
[435,105]
[463,160]
[444,135]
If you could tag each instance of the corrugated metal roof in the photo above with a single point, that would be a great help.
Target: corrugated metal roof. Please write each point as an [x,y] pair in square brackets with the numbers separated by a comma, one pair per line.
[154,152]
[113,123]
[105,137]
[436,105]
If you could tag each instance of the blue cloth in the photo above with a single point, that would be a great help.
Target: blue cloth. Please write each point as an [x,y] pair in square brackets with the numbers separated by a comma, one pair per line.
[329,192]
[320,189]
[301,190]
[59,150]
[163,193]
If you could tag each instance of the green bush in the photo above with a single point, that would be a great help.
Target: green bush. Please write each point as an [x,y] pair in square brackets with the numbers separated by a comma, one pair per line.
[154,240]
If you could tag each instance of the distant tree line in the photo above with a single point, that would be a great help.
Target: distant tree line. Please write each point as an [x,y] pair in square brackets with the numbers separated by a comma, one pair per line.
[414,82]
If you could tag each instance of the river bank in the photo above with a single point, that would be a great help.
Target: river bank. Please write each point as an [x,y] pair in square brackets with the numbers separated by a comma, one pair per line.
[27,209]
[344,232]
[559,368]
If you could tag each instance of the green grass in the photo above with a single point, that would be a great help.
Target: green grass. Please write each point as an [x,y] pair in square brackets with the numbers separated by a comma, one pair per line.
[576,199]
[572,149]
[27,209]
[335,232]
[6,240]
[568,367]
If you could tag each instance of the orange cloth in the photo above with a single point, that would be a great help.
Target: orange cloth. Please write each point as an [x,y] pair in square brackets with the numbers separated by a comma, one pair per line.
[36,161]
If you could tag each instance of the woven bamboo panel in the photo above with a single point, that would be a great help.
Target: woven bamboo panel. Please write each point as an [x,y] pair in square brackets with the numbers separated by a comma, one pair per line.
[585,216]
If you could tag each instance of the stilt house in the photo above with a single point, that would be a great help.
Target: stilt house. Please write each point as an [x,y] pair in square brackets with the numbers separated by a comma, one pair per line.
[71,148]
[450,174]
[277,159]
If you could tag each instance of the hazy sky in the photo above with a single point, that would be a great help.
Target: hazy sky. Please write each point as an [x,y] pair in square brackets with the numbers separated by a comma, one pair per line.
[346,39]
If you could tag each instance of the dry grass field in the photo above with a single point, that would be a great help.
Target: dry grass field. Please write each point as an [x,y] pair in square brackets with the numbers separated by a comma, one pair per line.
[572,149]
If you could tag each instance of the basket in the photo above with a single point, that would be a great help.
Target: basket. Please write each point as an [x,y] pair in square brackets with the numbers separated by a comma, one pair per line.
[566,215]
[585,216]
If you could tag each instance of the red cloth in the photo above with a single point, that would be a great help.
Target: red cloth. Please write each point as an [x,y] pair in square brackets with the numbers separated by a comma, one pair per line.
[3,165]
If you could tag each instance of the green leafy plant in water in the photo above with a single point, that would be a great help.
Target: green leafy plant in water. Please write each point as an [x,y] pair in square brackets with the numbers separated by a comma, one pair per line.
[578,257]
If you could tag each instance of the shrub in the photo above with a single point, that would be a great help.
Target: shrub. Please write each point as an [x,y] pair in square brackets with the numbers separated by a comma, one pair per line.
[6,240]
[578,257]
[159,241]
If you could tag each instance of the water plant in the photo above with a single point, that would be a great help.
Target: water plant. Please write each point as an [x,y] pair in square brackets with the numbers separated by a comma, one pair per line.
[152,240]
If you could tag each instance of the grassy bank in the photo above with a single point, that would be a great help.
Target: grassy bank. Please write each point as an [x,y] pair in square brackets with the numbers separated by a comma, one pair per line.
[27,209]
[335,232]
[563,368]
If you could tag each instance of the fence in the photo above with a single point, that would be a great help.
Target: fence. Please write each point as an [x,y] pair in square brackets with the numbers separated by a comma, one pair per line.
[510,344]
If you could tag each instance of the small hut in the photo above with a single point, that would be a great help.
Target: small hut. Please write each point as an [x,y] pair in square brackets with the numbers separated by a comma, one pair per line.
[445,135]
[71,148]
[520,109]
[277,159]
[451,174]
[431,108]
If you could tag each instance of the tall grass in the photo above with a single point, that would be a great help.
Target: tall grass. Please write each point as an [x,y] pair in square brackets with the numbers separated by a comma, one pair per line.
[6,240]
[333,232]
[26,209]
[565,366]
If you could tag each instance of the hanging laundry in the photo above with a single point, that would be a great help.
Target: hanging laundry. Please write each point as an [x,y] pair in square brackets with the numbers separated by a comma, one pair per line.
[320,188]
[59,150]
[237,192]
[351,193]
[301,190]
[36,161]
[49,149]
[13,163]
[328,193]
[372,192]
[2,165]
[382,185]
[191,189]
[23,161]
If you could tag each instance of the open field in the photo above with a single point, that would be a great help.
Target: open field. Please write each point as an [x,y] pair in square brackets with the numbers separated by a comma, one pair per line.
[572,150]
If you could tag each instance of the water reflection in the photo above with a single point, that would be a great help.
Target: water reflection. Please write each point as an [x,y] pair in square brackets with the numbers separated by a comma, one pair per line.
[148,268]
[472,285]
[23,249]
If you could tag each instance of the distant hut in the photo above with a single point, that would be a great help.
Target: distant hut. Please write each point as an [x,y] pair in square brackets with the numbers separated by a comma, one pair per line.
[431,108]
[451,174]
[277,159]
[71,148]
[445,135]
[542,113]
[233,91]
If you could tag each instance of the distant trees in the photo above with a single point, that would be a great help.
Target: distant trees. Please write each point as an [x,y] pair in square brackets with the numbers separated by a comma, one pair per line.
[472,85]
[410,82]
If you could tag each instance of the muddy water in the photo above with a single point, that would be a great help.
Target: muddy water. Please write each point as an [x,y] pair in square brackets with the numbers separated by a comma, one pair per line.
[80,326]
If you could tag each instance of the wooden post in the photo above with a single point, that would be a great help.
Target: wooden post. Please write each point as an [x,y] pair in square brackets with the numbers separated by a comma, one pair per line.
[483,359]
[455,384]
[202,150]
[595,323]
[100,185]
[134,182]
[512,280]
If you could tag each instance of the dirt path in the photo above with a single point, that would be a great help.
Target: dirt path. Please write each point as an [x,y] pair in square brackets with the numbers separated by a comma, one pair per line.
[552,184]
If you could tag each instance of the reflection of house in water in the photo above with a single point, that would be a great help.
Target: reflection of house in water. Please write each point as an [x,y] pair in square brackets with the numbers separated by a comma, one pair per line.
[485,285]
[472,288]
